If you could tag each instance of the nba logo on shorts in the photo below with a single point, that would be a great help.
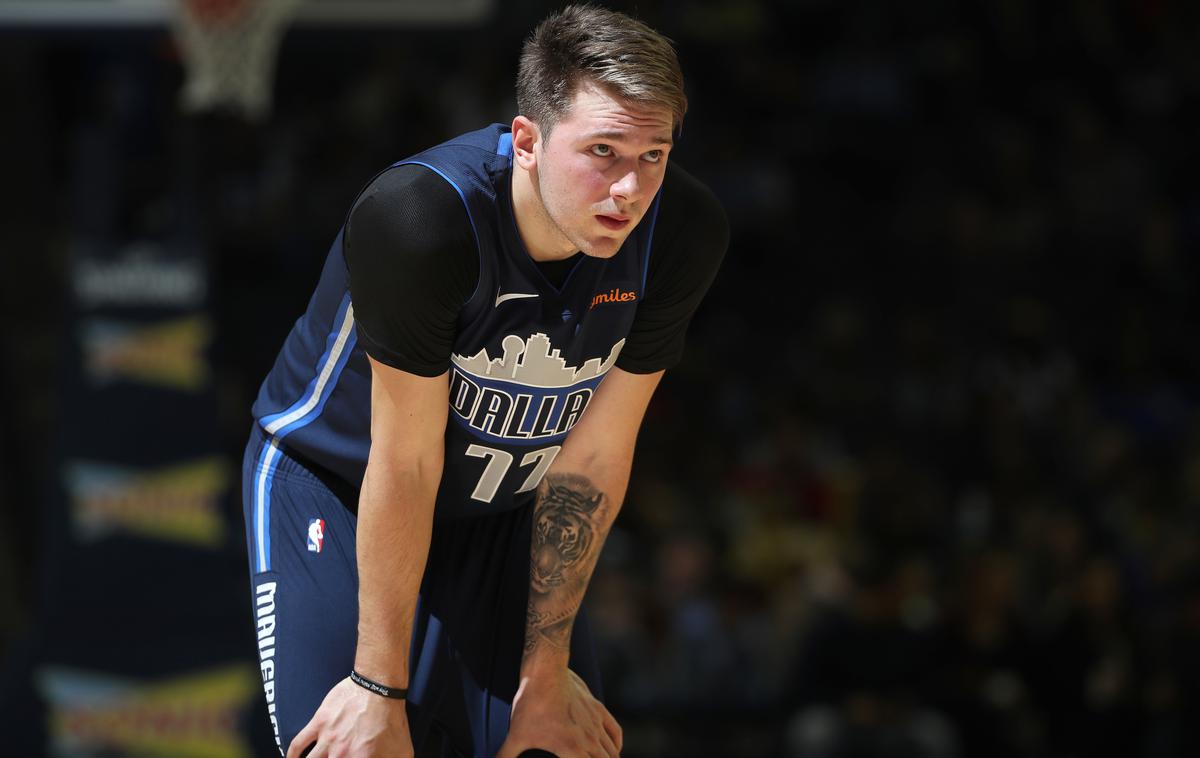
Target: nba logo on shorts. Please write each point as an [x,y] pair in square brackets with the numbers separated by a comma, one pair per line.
[316,534]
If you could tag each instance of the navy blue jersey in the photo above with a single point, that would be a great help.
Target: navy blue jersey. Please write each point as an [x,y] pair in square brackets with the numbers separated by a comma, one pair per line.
[527,357]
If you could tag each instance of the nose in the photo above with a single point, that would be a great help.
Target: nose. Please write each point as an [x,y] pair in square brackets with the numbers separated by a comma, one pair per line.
[628,188]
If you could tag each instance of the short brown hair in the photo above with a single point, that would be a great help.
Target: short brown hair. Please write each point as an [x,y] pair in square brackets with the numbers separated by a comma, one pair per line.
[584,42]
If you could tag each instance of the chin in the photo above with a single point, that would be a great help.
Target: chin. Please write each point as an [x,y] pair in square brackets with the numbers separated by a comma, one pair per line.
[605,249]
[603,245]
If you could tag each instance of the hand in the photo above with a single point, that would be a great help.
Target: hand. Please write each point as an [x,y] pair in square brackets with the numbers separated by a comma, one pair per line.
[557,712]
[353,721]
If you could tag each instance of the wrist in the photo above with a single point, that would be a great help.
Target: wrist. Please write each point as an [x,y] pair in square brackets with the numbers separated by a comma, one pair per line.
[378,688]
[385,669]
[544,663]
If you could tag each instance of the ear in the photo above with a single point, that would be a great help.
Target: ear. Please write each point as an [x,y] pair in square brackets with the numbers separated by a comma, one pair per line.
[525,136]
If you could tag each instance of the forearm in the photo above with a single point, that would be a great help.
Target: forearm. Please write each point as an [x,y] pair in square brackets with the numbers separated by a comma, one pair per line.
[395,522]
[576,506]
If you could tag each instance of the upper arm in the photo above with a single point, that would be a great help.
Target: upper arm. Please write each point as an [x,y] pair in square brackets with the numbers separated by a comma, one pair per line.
[408,420]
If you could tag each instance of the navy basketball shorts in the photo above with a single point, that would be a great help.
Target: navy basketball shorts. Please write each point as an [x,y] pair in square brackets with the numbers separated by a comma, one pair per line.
[469,627]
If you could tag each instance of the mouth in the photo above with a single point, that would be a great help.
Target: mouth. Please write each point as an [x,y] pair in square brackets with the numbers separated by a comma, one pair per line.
[615,223]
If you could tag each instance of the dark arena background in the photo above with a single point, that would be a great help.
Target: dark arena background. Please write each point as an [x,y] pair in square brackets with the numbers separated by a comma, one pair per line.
[926,484]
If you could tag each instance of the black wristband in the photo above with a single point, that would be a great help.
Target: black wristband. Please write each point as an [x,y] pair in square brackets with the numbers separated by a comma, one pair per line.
[376,687]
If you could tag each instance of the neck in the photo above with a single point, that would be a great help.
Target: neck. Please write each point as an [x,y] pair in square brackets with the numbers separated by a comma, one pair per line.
[541,236]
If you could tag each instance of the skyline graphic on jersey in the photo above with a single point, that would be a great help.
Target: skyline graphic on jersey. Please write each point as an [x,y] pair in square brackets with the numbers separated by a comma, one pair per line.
[529,395]
[535,362]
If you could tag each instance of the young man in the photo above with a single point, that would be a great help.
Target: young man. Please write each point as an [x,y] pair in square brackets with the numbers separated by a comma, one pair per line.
[426,496]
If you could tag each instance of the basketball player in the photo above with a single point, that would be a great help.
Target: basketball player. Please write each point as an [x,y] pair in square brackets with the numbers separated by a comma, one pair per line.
[447,434]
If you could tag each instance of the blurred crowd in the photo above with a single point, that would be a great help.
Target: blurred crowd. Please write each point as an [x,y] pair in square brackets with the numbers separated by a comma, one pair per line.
[927,482]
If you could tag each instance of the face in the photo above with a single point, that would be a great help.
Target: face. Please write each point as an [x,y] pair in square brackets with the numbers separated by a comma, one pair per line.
[598,171]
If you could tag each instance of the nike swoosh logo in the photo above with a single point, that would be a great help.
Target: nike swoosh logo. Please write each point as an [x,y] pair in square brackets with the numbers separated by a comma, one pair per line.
[511,296]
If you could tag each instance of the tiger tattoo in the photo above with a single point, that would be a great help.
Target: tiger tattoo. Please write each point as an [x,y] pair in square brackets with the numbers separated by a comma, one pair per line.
[563,534]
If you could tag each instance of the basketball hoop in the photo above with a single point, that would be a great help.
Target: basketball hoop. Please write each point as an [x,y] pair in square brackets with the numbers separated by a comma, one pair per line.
[229,49]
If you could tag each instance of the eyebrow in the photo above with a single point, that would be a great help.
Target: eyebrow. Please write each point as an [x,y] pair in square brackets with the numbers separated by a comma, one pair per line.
[622,137]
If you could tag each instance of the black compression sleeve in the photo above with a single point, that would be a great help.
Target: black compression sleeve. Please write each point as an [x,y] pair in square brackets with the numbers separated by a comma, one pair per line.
[413,263]
[689,243]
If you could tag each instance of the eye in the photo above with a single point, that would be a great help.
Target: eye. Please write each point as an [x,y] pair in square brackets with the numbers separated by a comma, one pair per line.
[654,156]
[602,151]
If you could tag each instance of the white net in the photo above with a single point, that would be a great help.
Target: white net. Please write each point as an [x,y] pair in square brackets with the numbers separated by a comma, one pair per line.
[229,49]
